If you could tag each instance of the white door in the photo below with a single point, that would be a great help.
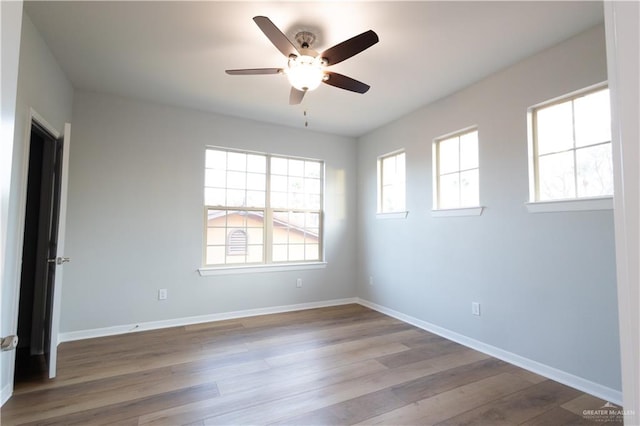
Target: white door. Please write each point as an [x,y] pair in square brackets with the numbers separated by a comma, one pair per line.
[61,260]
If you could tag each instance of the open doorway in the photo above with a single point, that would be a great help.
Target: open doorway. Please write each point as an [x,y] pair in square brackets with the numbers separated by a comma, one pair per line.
[38,255]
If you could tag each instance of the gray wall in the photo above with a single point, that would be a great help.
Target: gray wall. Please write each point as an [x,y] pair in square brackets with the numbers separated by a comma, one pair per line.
[546,282]
[43,86]
[135,215]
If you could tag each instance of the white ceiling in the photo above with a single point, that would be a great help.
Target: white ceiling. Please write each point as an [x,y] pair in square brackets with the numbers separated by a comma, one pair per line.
[176,52]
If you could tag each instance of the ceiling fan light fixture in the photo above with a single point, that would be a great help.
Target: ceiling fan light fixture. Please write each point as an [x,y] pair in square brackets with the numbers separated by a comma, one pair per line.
[305,72]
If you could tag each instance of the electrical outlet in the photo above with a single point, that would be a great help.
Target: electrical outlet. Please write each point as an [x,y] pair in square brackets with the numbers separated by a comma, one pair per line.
[299,282]
[162,294]
[475,308]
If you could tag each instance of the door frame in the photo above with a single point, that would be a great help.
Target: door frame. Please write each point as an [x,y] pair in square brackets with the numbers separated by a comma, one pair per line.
[32,117]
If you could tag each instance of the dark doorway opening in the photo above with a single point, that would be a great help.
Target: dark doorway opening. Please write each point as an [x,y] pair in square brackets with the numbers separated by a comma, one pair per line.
[36,283]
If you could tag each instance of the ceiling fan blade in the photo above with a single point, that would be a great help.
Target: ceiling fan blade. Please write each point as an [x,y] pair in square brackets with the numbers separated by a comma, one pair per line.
[255,71]
[349,48]
[295,97]
[276,36]
[344,82]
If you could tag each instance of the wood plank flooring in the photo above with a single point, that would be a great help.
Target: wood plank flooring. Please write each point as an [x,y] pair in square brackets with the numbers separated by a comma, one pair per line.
[341,365]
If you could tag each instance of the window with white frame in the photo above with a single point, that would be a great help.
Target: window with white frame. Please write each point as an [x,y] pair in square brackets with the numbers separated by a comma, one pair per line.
[391,183]
[456,170]
[570,144]
[261,208]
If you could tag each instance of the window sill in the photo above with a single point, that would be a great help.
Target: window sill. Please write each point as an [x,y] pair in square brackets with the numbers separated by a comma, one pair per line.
[466,211]
[584,204]
[254,269]
[394,215]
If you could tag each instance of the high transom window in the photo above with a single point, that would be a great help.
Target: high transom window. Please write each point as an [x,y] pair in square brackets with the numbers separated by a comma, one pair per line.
[262,208]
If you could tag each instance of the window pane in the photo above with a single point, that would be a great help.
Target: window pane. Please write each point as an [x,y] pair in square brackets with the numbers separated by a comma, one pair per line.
[255,254]
[469,151]
[278,199]
[469,189]
[296,184]
[389,170]
[216,236]
[449,160]
[593,118]
[279,165]
[236,161]
[595,172]
[213,177]
[296,219]
[393,198]
[214,197]
[312,186]
[391,178]
[279,183]
[231,259]
[400,167]
[236,180]
[280,253]
[236,219]
[449,191]
[296,252]
[256,163]
[255,235]
[313,220]
[556,176]
[216,159]
[313,202]
[311,252]
[312,169]
[215,255]
[256,181]
[555,128]
[296,168]
[280,234]
[311,235]
[235,198]
[255,199]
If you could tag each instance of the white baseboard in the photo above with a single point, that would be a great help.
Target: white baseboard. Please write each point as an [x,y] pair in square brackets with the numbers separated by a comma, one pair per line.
[6,393]
[584,385]
[155,325]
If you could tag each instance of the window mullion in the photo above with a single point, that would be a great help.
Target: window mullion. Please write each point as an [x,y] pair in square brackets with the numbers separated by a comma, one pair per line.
[575,159]
[459,172]
[268,216]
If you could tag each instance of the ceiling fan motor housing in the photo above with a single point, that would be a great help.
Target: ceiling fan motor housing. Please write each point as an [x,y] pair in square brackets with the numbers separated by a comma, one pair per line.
[305,72]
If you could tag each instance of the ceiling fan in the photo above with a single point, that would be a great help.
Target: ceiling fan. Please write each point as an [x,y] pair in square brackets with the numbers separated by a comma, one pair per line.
[306,68]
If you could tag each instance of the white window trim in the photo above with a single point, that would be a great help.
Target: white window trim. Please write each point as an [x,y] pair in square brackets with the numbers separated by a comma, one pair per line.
[392,215]
[463,211]
[258,269]
[264,266]
[572,205]
[379,212]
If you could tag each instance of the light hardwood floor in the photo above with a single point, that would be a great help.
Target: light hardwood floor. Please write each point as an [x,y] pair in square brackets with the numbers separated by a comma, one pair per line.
[335,366]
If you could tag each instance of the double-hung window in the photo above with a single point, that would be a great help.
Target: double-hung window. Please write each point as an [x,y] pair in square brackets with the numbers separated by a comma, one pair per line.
[456,170]
[261,208]
[571,147]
